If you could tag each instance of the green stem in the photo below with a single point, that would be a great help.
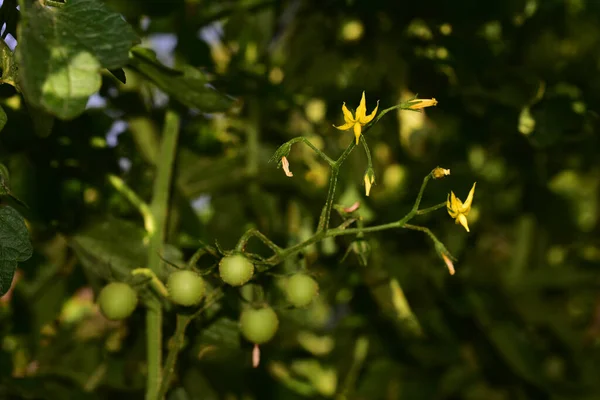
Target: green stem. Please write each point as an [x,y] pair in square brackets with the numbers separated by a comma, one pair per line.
[345,154]
[403,106]
[159,207]
[367,151]
[326,213]
[430,209]
[256,233]
[427,231]
[205,249]
[143,208]
[314,148]
[421,191]
[178,338]
[335,170]
[175,346]
[323,232]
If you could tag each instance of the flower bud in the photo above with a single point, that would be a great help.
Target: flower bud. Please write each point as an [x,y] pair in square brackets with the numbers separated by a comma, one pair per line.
[369,180]
[440,172]
[422,103]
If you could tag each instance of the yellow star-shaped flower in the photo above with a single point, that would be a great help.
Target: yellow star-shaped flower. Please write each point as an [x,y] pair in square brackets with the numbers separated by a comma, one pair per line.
[459,210]
[359,119]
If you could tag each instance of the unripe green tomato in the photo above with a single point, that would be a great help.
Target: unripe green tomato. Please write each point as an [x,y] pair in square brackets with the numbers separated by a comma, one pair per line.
[259,325]
[186,288]
[236,270]
[301,289]
[117,301]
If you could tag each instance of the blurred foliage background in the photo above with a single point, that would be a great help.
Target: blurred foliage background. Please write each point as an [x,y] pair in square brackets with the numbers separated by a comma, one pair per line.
[518,86]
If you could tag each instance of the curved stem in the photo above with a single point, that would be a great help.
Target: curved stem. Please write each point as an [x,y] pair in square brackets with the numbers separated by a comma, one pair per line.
[256,233]
[421,191]
[315,149]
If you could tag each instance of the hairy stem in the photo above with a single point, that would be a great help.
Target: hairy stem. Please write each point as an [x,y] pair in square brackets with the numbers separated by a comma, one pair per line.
[178,339]
[326,213]
[256,233]
[430,209]
[174,347]
[423,229]
[343,230]
[314,148]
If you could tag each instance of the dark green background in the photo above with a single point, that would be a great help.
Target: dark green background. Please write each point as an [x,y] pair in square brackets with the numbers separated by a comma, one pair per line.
[518,86]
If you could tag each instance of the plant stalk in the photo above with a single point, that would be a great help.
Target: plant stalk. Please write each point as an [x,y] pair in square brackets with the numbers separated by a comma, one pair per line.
[159,208]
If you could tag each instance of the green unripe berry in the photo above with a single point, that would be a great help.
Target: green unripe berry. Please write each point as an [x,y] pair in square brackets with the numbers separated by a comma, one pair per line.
[186,288]
[259,325]
[117,301]
[301,289]
[236,270]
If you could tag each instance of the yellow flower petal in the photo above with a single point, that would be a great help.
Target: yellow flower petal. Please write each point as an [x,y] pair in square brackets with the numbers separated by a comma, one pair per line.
[357,131]
[466,206]
[452,205]
[345,127]
[369,118]
[348,118]
[449,207]
[361,110]
[462,219]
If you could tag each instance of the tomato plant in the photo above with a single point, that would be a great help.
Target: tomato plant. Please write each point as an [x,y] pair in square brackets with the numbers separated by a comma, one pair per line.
[221,173]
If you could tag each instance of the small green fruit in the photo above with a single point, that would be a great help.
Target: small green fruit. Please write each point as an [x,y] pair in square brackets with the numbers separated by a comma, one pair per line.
[259,325]
[186,288]
[301,289]
[117,301]
[236,270]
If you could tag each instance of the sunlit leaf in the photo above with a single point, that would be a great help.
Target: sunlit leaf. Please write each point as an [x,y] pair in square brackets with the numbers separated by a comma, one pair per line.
[62,50]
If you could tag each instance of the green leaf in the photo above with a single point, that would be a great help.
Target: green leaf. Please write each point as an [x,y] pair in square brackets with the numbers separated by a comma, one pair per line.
[189,86]
[43,122]
[111,249]
[15,245]
[62,50]
[219,341]
[10,71]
